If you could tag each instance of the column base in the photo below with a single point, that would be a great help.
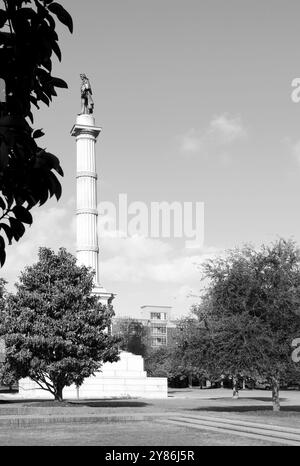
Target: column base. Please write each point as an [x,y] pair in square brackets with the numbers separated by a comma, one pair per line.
[104,296]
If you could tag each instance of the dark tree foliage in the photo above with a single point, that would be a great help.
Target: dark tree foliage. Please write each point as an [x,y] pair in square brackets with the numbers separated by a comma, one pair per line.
[133,335]
[162,362]
[28,40]
[54,327]
[251,312]
[192,352]
[179,359]
[2,303]
[2,291]
[159,363]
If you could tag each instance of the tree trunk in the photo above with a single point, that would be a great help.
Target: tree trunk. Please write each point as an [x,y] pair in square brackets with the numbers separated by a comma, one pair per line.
[58,393]
[275,395]
[190,378]
[235,392]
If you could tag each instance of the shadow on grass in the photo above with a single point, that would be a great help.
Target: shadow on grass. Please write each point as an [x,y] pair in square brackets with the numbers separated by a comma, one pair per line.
[77,404]
[45,404]
[111,404]
[245,408]
[240,400]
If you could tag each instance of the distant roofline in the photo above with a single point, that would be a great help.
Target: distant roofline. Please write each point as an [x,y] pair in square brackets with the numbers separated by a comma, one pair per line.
[150,305]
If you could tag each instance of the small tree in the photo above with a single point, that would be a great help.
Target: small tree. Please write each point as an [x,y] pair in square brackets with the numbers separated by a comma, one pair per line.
[54,327]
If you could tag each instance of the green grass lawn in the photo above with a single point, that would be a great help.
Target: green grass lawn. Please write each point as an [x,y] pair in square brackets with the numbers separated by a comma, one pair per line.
[133,434]
[253,406]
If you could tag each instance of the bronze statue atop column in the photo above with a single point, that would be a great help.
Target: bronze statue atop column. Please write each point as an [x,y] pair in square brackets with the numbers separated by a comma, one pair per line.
[87,103]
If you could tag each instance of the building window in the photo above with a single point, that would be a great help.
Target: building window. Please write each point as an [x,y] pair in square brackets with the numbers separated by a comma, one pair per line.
[158,341]
[158,330]
[158,316]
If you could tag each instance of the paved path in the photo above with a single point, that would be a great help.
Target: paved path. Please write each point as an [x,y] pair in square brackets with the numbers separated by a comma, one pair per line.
[271,433]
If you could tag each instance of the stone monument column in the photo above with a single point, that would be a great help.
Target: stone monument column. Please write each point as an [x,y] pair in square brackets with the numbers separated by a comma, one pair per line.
[86,133]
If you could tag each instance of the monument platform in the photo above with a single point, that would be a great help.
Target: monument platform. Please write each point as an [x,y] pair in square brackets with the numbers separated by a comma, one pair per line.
[125,378]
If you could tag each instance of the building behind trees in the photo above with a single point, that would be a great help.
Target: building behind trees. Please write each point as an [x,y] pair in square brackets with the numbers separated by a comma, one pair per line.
[154,329]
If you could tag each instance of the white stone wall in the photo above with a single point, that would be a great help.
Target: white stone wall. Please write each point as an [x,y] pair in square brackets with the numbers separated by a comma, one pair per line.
[123,379]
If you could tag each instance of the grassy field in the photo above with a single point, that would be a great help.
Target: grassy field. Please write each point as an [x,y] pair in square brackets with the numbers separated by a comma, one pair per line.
[133,434]
[252,406]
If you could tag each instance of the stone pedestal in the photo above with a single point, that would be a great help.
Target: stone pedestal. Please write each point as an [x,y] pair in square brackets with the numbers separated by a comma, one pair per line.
[125,378]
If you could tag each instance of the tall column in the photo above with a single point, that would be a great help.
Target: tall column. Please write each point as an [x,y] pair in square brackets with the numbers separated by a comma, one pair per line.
[86,134]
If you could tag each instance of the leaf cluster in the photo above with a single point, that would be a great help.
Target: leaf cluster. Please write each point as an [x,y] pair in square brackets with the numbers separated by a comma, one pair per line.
[28,40]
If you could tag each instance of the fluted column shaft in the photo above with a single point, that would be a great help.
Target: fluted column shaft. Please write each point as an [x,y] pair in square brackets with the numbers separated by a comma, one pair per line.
[86,134]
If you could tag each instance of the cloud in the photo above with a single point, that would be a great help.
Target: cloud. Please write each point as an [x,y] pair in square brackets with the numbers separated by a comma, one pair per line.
[52,227]
[134,259]
[137,259]
[142,270]
[138,269]
[226,129]
[221,132]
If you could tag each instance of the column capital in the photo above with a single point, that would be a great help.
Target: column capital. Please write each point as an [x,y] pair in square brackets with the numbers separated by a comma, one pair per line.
[85,125]
[82,130]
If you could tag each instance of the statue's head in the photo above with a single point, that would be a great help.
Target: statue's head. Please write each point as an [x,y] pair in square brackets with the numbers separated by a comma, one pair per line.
[83,76]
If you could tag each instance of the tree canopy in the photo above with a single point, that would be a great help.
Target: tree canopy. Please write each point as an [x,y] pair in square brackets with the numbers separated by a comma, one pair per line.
[250,311]
[28,40]
[54,327]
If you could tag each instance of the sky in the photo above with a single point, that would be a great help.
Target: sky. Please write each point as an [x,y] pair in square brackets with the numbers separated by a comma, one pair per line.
[194,101]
